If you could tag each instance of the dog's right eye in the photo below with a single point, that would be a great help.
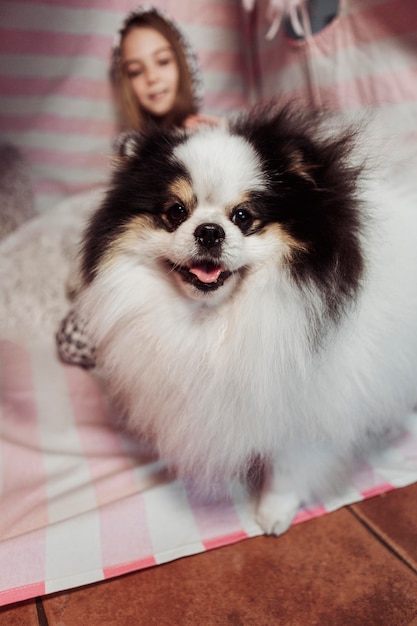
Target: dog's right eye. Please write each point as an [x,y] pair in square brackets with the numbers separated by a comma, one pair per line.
[176,214]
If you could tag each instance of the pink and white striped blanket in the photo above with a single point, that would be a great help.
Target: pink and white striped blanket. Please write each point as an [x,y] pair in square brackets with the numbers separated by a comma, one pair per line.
[79,502]
[56,101]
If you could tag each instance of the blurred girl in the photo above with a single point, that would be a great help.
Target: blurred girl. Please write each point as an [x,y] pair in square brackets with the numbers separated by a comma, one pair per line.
[157,80]
[155,73]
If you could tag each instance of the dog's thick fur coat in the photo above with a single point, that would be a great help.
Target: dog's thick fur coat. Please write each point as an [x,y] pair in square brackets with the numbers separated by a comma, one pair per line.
[252,295]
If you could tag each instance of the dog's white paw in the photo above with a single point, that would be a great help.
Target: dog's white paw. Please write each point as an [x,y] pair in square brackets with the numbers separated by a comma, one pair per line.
[276,512]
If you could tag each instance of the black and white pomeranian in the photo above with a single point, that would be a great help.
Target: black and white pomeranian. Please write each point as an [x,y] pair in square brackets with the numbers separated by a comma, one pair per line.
[251,291]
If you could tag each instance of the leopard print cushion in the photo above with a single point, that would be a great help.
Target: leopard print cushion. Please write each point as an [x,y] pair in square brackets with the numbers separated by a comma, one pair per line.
[73,344]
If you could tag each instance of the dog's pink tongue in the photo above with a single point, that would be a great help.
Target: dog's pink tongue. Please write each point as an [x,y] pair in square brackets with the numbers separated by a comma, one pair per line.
[206,275]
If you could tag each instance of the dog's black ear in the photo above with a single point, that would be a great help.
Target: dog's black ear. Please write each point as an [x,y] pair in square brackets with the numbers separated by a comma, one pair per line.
[127,144]
[309,148]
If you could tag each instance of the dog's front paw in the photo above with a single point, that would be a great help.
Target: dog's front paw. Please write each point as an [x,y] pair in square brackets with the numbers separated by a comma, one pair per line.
[276,512]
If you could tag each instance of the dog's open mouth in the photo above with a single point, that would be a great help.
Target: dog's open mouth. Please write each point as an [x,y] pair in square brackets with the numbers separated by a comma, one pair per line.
[204,275]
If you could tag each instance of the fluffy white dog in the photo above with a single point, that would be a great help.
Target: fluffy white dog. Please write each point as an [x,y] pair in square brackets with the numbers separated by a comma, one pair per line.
[251,292]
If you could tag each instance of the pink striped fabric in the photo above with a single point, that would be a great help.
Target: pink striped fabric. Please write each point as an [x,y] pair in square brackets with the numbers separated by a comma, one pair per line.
[21,41]
[80,503]
[50,123]
[54,61]
[365,59]
[54,85]
[71,88]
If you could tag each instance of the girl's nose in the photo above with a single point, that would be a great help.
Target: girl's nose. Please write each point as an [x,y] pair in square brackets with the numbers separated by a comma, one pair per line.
[151,74]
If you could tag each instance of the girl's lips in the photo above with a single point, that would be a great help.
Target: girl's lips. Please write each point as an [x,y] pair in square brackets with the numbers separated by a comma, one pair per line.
[155,97]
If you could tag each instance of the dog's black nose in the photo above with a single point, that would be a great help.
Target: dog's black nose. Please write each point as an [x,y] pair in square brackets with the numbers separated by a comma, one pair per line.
[209,235]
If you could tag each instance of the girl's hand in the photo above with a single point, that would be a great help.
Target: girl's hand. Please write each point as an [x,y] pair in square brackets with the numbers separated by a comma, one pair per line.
[193,122]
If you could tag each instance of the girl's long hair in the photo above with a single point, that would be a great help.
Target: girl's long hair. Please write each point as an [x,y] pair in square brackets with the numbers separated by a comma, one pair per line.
[133,116]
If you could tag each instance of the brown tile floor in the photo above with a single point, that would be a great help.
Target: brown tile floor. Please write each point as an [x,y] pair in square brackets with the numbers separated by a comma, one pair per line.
[354,567]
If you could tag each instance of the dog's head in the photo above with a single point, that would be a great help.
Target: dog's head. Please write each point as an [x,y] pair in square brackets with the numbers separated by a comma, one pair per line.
[208,208]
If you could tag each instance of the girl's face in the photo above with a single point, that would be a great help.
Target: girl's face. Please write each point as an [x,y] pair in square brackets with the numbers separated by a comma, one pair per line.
[152,69]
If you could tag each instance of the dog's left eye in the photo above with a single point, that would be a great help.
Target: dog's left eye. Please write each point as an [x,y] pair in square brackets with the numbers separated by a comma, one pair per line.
[176,214]
[242,219]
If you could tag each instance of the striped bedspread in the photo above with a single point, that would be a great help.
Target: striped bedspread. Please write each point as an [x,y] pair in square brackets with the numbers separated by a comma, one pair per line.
[80,502]
[56,101]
